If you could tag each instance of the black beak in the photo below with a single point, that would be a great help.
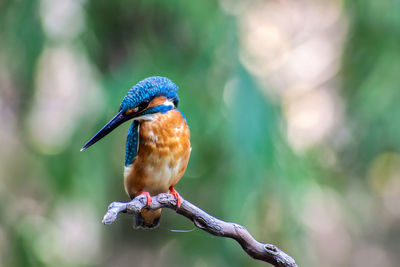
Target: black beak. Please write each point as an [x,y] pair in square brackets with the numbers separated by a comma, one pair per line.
[111,125]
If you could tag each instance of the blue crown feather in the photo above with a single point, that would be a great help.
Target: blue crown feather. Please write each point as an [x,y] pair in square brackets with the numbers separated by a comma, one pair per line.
[148,89]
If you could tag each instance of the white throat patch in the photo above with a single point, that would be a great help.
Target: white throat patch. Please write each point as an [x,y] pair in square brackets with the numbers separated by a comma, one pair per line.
[147,117]
[150,117]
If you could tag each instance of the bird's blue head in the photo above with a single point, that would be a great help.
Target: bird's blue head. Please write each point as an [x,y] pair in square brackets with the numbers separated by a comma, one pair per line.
[145,91]
[138,103]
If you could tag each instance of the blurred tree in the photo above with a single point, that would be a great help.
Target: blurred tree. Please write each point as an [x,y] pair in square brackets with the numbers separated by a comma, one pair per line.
[65,66]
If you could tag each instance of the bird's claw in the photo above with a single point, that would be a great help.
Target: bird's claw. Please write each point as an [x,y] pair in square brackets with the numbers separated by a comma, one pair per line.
[148,197]
[176,196]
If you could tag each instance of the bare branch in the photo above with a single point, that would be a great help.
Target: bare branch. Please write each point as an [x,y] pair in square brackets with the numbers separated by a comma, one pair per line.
[261,251]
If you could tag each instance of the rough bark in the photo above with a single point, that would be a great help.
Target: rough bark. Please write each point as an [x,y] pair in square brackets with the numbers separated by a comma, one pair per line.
[260,251]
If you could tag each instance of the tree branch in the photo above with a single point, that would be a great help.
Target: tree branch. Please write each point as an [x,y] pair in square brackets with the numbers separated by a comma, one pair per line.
[260,251]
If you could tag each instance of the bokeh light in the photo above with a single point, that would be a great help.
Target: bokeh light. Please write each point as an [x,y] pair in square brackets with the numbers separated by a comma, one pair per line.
[293,107]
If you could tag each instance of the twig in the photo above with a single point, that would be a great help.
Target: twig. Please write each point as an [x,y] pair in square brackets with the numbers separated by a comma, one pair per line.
[261,251]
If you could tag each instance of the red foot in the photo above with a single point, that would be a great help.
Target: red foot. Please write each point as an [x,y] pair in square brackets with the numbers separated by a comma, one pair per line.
[176,196]
[148,197]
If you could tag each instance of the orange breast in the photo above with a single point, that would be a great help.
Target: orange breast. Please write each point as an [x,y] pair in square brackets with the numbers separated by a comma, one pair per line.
[163,154]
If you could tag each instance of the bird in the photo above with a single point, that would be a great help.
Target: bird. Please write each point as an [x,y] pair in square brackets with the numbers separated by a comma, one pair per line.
[157,145]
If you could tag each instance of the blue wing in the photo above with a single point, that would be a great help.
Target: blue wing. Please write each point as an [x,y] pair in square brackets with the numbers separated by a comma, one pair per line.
[131,143]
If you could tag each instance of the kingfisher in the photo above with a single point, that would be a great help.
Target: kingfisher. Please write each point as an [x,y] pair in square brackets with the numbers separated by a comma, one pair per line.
[157,146]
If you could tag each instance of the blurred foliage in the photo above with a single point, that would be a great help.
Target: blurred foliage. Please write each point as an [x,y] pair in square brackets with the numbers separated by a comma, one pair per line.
[66,65]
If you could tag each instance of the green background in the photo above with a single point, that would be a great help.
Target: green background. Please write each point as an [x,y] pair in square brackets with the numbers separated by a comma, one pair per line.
[293,108]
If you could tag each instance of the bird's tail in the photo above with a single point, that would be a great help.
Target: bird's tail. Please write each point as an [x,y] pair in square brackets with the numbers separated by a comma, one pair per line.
[147,219]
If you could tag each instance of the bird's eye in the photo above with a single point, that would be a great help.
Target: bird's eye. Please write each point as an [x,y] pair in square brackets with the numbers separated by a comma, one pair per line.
[141,107]
[144,104]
